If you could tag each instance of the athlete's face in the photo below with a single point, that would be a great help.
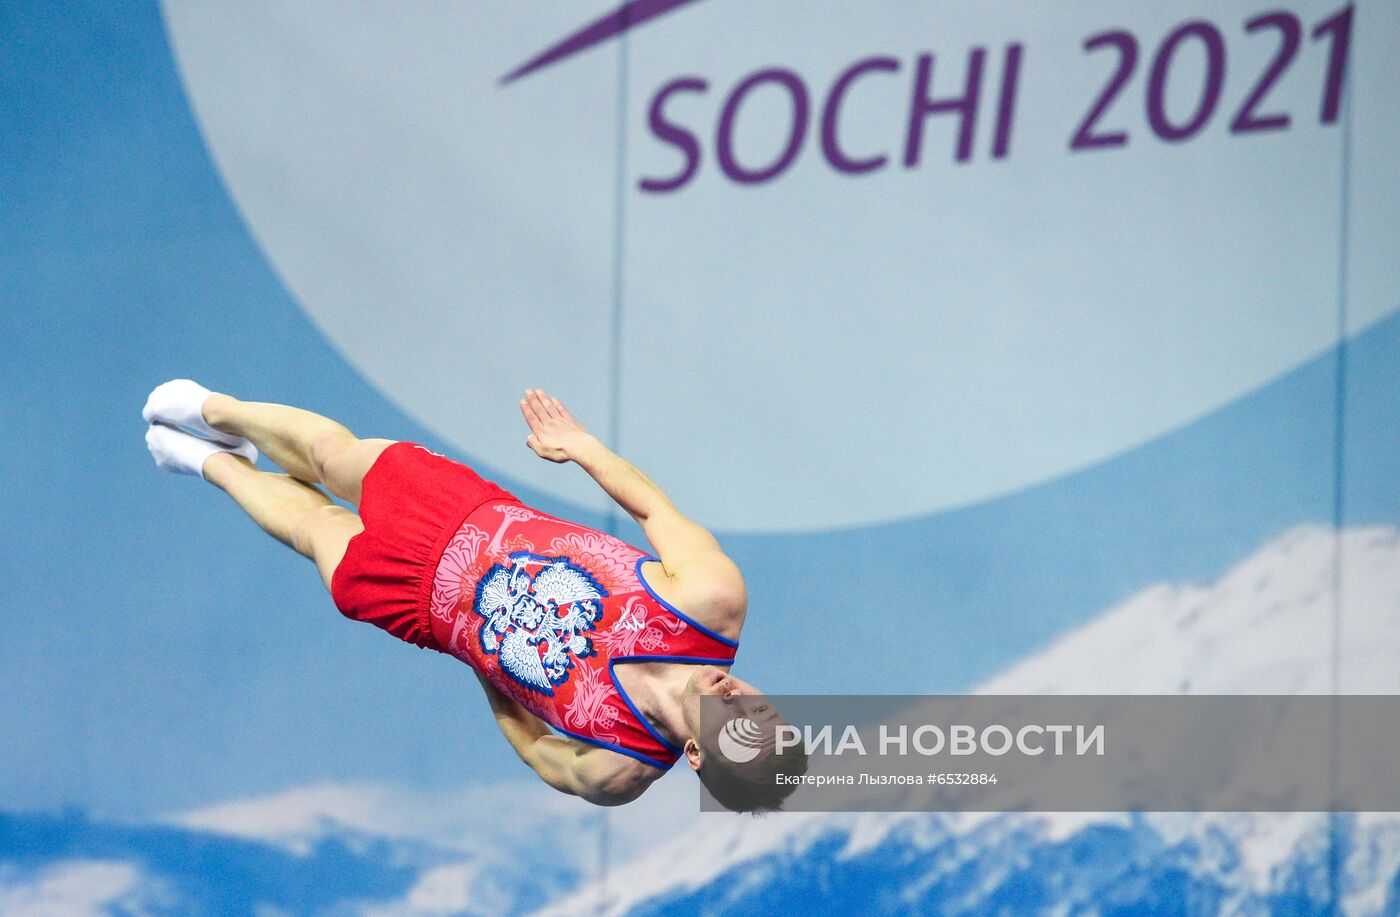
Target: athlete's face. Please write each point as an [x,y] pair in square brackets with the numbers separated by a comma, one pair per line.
[740,697]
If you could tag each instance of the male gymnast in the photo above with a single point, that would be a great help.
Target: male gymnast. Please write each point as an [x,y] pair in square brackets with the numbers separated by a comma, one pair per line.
[566,627]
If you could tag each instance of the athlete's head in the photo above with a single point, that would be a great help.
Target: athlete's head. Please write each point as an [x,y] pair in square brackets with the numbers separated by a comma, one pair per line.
[734,756]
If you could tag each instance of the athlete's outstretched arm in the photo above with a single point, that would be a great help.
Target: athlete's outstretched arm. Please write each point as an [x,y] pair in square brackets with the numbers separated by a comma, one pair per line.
[686,549]
[569,766]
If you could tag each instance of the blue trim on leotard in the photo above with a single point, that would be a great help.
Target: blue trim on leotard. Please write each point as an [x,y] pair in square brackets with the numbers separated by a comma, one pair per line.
[611,747]
[685,660]
[673,609]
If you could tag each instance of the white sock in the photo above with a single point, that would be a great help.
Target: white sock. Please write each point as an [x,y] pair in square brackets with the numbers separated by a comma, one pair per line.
[180,403]
[184,453]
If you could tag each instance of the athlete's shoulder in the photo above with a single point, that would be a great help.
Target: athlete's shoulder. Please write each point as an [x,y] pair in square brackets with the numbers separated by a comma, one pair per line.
[712,584]
[707,588]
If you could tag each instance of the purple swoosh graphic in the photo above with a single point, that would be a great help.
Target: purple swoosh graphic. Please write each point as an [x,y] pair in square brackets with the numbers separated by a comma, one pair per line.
[625,17]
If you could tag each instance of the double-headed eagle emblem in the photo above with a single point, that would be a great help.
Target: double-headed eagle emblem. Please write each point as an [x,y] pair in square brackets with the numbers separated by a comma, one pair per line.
[537,622]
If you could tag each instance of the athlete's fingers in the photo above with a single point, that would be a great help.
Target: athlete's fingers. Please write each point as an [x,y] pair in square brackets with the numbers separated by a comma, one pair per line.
[534,397]
[531,417]
[543,407]
[533,443]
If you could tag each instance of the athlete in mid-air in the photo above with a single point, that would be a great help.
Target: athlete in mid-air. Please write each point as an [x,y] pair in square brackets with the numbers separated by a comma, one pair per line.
[567,627]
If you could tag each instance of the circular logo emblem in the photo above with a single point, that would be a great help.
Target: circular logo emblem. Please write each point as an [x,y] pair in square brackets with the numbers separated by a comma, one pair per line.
[740,740]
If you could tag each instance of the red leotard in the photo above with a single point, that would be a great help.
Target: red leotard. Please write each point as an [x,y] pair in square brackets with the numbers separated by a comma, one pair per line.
[546,609]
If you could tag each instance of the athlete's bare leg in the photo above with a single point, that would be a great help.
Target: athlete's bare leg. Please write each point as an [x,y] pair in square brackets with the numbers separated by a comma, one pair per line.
[307,446]
[292,511]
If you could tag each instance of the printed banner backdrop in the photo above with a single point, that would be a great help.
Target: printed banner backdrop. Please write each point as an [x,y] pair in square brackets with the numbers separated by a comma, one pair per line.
[1009,348]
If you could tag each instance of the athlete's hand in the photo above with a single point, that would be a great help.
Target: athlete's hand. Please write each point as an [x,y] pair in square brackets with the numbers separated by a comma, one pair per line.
[554,434]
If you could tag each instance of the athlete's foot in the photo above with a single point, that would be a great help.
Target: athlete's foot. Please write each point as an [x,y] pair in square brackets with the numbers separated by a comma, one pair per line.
[180,403]
[184,453]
